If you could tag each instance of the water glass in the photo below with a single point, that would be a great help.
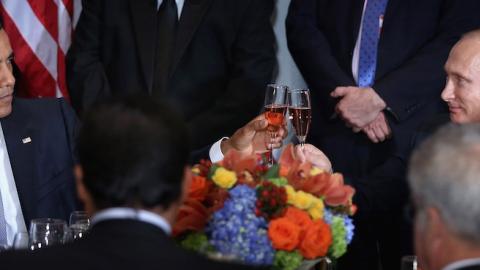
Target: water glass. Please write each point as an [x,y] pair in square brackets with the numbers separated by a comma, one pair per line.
[409,262]
[46,232]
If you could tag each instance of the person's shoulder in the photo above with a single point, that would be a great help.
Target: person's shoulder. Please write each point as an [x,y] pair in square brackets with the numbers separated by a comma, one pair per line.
[42,107]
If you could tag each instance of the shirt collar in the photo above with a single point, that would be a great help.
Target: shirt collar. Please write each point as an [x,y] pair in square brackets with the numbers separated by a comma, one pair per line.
[462,264]
[135,214]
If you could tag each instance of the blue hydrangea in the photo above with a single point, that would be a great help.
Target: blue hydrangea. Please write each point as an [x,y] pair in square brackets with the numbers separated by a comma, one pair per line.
[349,227]
[236,231]
[348,223]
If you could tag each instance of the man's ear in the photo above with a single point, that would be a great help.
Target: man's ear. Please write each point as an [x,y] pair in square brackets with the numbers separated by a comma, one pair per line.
[82,192]
[437,229]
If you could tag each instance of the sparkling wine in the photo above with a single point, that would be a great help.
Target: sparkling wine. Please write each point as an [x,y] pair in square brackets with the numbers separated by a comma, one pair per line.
[301,118]
[275,115]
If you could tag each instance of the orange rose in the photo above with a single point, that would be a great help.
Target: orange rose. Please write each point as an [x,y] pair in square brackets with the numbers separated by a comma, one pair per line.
[284,234]
[316,241]
[299,217]
[198,189]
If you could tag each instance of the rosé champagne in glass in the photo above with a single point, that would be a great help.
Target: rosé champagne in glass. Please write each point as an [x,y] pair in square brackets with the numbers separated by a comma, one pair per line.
[300,112]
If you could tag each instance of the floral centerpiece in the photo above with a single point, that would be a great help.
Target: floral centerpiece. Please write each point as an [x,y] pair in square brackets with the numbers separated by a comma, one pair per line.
[279,216]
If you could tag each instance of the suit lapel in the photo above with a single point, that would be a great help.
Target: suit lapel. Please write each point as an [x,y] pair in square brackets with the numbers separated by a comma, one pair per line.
[144,23]
[17,127]
[357,10]
[192,14]
[383,54]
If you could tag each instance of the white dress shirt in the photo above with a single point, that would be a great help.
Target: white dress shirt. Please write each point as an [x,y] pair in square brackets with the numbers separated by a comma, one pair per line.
[215,152]
[462,264]
[356,52]
[179,6]
[135,214]
[11,203]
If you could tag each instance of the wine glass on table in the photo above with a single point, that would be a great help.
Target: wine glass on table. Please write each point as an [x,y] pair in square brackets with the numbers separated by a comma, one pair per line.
[275,109]
[300,112]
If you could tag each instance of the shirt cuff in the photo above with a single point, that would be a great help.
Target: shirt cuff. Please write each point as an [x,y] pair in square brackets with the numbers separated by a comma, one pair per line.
[215,152]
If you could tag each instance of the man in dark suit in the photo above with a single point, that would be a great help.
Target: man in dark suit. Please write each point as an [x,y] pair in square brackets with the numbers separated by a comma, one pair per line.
[36,155]
[132,178]
[210,59]
[375,71]
[443,177]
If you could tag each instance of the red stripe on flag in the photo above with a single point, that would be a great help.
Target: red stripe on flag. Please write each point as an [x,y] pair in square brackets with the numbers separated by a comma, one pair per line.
[69,5]
[47,12]
[35,77]
[62,78]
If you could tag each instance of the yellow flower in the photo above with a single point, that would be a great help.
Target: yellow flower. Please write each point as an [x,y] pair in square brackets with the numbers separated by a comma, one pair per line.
[290,194]
[303,200]
[316,171]
[224,178]
[316,210]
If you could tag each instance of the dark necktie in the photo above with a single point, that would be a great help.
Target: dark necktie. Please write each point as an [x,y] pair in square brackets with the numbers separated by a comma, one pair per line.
[369,44]
[167,21]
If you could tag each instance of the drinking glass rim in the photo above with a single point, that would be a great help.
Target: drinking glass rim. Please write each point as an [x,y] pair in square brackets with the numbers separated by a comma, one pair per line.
[298,90]
[54,221]
[274,85]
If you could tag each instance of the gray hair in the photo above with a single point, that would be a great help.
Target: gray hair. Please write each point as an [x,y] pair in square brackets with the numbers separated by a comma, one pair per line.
[444,173]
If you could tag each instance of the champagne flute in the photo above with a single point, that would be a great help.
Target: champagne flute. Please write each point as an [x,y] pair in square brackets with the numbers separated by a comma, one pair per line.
[300,112]
[275,108]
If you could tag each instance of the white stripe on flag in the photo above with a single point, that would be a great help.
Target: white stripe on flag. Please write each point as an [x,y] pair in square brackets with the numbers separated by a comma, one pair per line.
[64,27]
[34,33]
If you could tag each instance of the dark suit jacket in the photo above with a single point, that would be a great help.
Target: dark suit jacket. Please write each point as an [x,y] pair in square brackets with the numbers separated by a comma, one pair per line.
[223,59]
[115,244]
[42,168]
[416,38]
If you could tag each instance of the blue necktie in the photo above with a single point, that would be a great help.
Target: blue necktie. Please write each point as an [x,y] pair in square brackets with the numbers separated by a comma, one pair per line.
[3,224]
[369,41]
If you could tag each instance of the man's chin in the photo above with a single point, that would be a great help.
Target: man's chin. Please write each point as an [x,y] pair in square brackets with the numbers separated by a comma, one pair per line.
[5,110]
[459,118]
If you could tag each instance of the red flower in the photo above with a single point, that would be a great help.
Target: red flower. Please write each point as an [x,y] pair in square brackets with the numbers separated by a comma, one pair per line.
[199,187]
[192,216]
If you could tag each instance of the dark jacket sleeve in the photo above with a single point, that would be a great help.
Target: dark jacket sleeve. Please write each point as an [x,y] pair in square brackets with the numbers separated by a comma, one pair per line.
[86,77]
[418,80]
[251,69]
[72,125]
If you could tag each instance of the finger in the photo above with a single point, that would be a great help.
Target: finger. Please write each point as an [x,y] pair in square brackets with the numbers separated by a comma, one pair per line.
[385,128]
[356,129]
[371,135]
[244,136]
[339,92]
[299,153]
[379,133]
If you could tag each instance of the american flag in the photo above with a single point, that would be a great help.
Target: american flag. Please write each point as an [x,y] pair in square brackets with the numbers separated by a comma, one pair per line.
[40,33]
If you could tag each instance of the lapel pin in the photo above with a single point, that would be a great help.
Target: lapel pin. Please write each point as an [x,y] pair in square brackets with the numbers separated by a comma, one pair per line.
[26,140]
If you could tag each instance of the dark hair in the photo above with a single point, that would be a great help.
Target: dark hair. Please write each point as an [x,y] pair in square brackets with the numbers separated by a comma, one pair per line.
[133,151]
